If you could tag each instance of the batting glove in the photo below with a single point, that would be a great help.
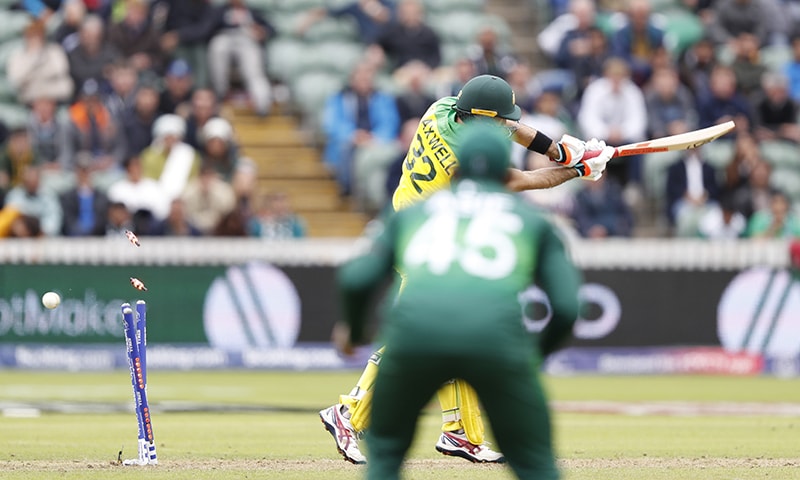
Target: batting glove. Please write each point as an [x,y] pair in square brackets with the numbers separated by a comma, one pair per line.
[592,168]
[570,150]
[594,144]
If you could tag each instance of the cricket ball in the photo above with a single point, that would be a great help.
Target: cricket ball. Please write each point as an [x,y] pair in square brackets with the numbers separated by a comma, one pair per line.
[51,300]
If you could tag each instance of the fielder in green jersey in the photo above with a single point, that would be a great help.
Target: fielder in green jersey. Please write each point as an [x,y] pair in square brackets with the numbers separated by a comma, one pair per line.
[458,316]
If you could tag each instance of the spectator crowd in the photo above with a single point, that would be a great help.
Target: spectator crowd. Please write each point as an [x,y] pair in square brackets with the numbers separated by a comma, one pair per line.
[126,126]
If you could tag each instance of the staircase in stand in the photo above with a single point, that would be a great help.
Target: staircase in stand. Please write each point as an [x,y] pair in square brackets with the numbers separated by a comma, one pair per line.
[525,22]
[287,162]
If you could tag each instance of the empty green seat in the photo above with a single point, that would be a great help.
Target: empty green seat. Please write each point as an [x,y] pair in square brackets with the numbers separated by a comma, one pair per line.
[370,166]
[266,7]
[335,56]
[776,57]
[285,23]
[458,27]
[13,115]
[284,57]
[311,90]
[664,5]
[452,52]
[342,29]
[682,29]
[718,153]
[654,173]
[296,6]
[12,24]
[780,153]
[6,48]
[7,92]
[445,6]
[787,180]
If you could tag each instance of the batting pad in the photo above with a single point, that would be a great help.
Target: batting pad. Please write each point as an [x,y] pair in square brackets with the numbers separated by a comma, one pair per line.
[359,400]
[460,409]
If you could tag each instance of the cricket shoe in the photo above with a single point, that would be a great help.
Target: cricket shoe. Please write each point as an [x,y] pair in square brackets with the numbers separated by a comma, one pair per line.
[343,434]
[457,445]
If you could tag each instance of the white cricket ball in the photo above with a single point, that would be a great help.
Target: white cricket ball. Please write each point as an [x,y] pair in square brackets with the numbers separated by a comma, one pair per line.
[51,300]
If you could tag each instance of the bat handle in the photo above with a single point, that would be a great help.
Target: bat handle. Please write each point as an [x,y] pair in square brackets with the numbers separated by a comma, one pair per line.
[594,153]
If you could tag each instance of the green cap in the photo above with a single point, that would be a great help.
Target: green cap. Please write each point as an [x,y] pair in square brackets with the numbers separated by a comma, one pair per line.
[489,96]
[484,151]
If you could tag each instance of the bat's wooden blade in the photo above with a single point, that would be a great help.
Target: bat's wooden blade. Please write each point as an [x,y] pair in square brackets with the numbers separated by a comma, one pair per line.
[683,141]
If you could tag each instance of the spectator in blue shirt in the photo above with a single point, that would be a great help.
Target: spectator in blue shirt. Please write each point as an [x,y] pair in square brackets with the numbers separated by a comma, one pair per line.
[357,115]
[638,41]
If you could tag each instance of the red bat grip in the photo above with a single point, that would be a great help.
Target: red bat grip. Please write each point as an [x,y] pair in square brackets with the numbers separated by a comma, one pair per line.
[591,154]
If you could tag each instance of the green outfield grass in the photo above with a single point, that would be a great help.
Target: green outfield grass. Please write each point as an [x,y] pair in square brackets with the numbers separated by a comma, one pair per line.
[282,438]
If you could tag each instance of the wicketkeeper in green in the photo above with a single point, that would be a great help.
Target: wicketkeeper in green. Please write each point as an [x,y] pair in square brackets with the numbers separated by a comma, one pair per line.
[466,252]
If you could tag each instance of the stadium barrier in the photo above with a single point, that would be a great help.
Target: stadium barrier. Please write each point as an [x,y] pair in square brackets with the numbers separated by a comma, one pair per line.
[657,306]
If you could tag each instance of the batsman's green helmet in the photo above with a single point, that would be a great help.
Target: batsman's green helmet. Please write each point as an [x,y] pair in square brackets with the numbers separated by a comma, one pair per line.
[484,151]
[489,96]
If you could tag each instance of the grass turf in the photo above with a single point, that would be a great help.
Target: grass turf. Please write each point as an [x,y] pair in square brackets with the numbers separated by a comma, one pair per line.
[290,443]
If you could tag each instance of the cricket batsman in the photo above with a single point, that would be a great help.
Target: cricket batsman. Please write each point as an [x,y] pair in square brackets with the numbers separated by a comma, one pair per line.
[430,163]
[458,314]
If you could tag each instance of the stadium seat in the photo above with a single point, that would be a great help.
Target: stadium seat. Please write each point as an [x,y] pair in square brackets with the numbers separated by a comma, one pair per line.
[12,24]
[326,29]
[725,55]
[295,6]
[776,57]
[369,172]
[385,83]
[468,24]
[7,93]
[334,56]
[664,5]
[283,57]
[787,180]
[445,6]
[654,172]
[284,23]
[311,90]
[501,27]
[718,153]
[682,29]
[13,115]
[610,22]
[267,7]
[781,154]
[5,52]
[452,52]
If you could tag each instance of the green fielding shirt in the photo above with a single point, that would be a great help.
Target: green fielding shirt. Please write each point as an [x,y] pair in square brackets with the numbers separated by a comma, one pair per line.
[465,253]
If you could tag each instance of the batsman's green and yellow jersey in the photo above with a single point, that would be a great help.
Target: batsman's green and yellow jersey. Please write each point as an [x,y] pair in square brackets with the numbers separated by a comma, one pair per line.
[430,161]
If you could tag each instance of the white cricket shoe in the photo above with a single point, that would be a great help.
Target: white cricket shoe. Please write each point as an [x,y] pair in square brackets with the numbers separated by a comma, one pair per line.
[457,445]
[343,434]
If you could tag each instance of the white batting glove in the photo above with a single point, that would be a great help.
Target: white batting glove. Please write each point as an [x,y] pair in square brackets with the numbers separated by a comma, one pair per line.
[594,144]
[571,151]
[592,168]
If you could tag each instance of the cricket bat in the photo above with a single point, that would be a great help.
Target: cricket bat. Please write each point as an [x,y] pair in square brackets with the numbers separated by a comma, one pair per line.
[682,141]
